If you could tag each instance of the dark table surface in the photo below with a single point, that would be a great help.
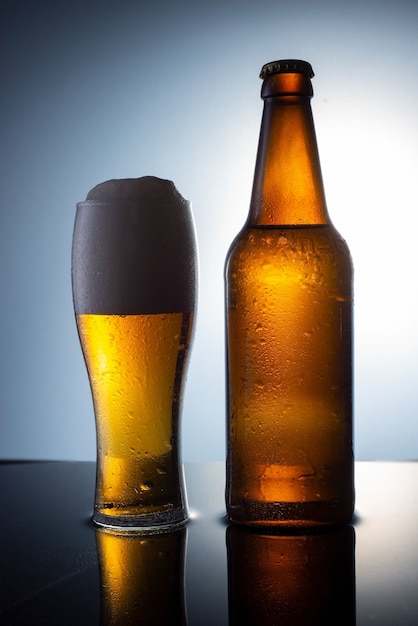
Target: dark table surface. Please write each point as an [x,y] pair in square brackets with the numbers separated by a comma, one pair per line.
[56,568]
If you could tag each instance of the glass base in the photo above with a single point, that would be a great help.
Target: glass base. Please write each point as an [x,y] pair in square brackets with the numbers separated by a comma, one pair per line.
[157,522]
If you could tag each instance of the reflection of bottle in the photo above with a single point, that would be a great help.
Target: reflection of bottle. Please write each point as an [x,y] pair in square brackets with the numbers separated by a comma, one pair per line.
[291,580]
[288,308]
[142,578]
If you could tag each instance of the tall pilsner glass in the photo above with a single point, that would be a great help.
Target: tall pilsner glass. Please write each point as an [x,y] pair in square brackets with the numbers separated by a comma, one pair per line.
[134,277]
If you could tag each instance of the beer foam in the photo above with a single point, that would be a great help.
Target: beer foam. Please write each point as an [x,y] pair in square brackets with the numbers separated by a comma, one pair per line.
[147,188]
[134,249]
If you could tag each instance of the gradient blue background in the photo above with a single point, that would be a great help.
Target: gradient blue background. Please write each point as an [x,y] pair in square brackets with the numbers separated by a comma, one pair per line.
[105,89]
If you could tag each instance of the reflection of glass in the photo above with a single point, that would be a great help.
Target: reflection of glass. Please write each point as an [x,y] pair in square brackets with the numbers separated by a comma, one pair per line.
[291,580]
[134,276]
[142,578]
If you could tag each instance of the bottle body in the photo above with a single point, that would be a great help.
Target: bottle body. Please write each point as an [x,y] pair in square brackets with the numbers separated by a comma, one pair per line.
[288,280]
[289,301]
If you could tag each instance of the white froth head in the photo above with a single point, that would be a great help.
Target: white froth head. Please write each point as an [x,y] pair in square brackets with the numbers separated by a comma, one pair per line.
[134,249]
[147,189]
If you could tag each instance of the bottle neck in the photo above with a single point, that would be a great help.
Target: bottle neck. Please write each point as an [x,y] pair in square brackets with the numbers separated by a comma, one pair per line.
[288,187]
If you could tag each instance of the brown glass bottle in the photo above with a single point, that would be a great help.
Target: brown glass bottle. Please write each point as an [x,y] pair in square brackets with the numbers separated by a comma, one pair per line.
[288,282]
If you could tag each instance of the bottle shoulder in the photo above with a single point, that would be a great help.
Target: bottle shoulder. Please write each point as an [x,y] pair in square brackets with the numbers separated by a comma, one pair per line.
[261,243]
[312,237]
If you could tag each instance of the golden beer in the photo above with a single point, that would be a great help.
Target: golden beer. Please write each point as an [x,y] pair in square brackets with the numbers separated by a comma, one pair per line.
[135,365]
[134,276]
[289,330]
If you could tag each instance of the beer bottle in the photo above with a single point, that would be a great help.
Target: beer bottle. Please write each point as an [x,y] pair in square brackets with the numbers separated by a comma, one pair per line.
[288,279]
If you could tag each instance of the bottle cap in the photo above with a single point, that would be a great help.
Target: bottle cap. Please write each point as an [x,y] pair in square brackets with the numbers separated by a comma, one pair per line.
[287,66]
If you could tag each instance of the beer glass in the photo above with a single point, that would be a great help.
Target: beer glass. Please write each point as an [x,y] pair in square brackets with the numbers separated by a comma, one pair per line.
[134,278]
